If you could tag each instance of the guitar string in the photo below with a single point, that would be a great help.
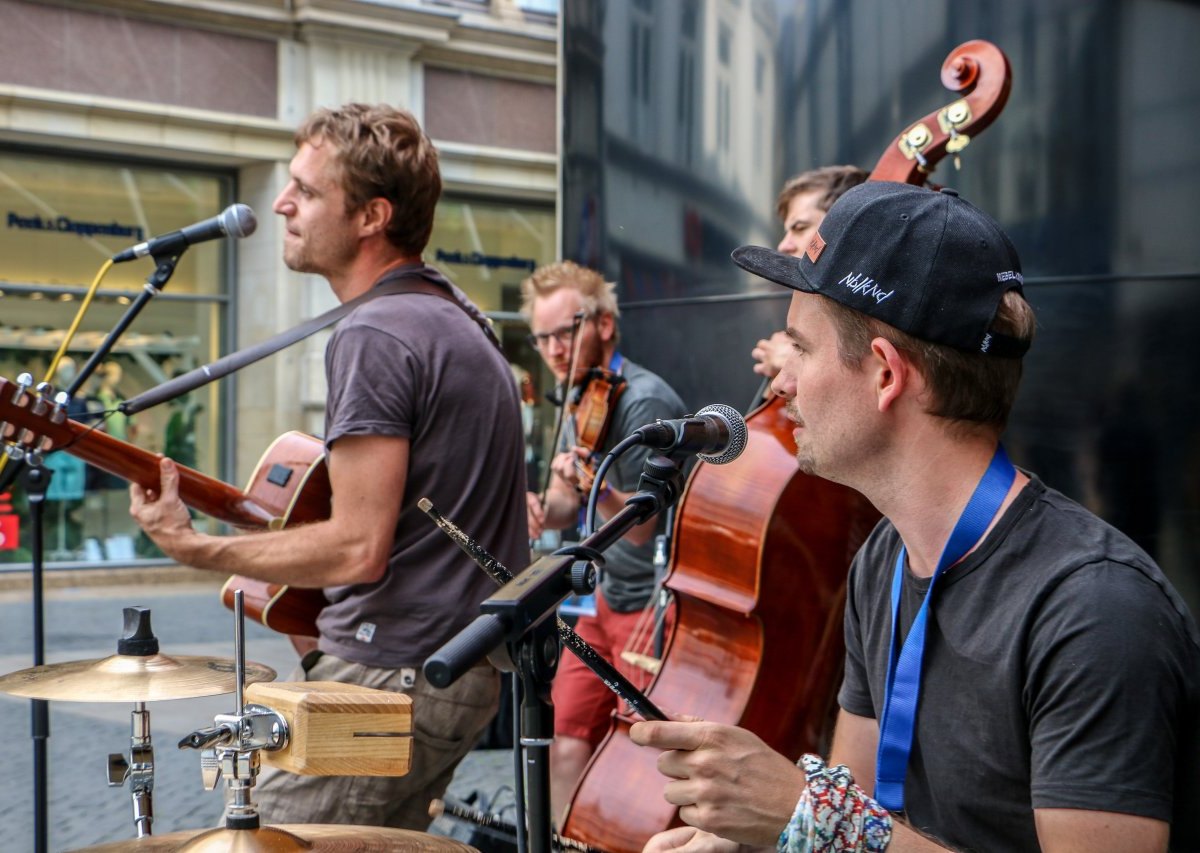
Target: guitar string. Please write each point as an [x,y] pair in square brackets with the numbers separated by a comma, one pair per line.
[100,419]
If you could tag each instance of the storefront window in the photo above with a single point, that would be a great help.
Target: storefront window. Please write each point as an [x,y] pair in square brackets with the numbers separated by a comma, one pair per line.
[487,248]
[62,218]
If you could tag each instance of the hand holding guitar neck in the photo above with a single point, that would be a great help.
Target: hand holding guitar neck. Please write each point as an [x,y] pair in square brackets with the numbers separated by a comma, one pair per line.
[290,485]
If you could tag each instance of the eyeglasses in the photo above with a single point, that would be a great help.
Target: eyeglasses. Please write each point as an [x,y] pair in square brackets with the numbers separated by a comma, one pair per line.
[541,340]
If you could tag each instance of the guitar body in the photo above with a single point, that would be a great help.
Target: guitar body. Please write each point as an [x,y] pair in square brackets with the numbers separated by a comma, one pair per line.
[290,485]
[292,482]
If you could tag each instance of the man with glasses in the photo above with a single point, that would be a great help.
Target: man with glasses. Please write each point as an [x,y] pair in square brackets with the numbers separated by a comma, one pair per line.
[572,313]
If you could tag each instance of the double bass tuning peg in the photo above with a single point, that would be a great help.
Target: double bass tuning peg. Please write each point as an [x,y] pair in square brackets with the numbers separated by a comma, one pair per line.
[957,142]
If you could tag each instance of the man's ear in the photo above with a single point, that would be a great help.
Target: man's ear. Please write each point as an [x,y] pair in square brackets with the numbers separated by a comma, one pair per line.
[375,215]
[894,374]
[606,326]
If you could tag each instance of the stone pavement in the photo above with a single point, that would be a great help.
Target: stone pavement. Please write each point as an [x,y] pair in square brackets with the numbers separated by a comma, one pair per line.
[84,623]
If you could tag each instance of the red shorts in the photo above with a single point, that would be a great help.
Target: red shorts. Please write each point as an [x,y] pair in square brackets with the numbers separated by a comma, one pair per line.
[583,706]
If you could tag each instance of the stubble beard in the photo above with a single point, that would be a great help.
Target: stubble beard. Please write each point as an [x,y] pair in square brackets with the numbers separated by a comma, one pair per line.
[299,258]
[297,255]
[804,459]
[295,260]
[806,463]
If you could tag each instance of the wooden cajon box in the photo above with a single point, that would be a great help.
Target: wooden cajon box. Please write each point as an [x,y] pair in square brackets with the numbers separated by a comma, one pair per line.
[338,729]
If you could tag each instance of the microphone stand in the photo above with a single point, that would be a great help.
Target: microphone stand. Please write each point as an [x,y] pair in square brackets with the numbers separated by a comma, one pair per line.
[515,630]
[155,282]
[36,480]
[35,477]
[164,269]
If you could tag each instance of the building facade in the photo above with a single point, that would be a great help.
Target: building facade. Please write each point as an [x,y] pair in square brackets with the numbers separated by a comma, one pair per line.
[123,119]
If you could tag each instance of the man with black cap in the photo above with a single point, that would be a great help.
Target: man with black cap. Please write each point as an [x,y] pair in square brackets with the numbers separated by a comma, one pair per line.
[1042,696]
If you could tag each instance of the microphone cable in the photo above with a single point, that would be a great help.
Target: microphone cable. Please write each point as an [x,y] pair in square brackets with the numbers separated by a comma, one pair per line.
[589,519]
[5,481]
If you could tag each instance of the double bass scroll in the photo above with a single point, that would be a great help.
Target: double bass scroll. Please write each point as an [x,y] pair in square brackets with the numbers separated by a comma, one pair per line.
[980,72]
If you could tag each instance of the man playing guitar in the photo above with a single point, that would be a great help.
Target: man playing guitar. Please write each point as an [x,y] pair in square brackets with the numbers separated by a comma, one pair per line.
[409,375]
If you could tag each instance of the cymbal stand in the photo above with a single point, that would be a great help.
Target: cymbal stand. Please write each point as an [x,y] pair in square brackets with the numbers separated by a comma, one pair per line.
[137,639]
[231,747]
[138,769]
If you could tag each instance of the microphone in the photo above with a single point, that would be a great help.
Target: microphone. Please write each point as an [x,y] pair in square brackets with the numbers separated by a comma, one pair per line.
[716,434]
[237,220]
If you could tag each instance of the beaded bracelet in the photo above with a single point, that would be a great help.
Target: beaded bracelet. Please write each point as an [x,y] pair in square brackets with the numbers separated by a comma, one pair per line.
[834,814]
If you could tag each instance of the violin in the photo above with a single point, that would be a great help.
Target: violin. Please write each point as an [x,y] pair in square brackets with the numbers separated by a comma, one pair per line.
[594,402]
[761,555]
[591,404]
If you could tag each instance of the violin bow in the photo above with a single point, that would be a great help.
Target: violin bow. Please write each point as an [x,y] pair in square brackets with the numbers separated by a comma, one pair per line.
[576,322]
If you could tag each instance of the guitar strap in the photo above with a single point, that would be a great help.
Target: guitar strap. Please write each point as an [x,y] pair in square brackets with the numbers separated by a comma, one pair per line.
[430,281]
[409,279]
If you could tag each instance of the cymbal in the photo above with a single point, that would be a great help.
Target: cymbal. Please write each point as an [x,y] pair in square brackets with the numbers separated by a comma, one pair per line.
[131,678]
[324,838]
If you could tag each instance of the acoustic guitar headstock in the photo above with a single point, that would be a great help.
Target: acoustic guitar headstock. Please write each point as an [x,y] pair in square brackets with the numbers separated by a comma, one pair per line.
[32,418]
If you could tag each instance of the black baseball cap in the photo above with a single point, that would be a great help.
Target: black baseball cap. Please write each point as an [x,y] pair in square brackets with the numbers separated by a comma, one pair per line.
[928,263]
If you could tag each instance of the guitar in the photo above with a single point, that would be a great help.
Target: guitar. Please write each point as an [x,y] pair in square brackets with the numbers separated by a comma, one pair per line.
[290,485]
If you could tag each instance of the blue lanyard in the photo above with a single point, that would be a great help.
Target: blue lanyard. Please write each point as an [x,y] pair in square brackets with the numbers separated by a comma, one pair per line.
[904,674]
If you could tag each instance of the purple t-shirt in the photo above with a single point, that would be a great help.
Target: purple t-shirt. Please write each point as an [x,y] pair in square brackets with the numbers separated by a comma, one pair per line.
[417,366]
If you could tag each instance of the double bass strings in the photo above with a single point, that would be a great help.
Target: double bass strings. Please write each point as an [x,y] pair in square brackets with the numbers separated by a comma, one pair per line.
[605,671]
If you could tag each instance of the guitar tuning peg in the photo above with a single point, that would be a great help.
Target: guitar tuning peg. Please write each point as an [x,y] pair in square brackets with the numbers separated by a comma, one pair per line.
[61,400]
[24,383]
[42,404]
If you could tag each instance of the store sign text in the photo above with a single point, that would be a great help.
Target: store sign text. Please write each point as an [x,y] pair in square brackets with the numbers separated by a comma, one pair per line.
[67,225]
[481,260]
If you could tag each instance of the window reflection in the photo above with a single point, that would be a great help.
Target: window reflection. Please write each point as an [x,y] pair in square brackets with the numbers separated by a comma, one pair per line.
[60,219]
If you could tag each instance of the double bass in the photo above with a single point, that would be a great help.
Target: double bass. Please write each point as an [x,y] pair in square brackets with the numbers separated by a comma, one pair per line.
[761,553]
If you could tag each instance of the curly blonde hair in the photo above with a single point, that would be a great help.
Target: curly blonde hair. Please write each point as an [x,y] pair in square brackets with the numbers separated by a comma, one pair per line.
[596,295]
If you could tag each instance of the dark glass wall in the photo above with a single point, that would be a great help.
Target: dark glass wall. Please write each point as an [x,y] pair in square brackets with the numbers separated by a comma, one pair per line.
[682,120]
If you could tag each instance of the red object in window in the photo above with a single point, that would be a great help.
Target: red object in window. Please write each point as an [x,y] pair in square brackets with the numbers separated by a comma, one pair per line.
[10,533]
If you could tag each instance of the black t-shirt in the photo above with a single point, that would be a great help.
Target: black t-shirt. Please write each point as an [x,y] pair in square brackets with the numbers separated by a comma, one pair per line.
[1061,670]
[416,366]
